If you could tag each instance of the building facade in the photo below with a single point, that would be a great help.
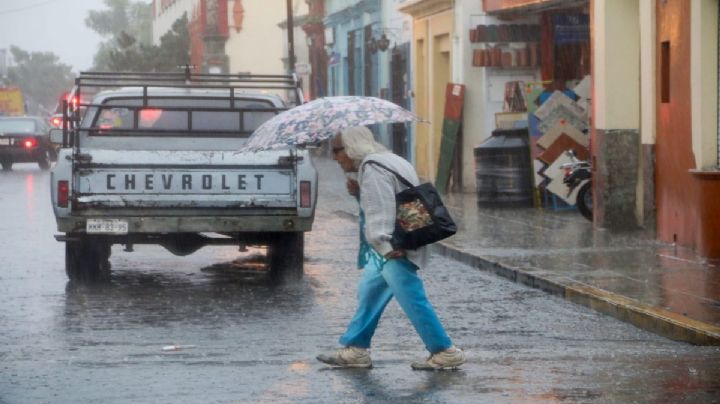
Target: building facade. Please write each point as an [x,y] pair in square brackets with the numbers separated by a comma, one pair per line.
[654,135]
[224,33]
[368,50]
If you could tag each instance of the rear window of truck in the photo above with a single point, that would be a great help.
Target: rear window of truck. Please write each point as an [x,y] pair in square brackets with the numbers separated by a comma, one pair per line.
[193,115]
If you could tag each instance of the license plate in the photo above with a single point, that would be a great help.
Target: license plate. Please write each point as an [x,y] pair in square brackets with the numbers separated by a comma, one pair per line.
[106,226]
[4,142]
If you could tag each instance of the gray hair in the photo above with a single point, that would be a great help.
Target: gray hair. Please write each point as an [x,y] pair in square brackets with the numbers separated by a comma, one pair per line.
[360,142]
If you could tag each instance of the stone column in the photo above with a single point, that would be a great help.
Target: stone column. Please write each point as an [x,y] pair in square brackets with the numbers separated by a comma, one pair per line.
[616,112]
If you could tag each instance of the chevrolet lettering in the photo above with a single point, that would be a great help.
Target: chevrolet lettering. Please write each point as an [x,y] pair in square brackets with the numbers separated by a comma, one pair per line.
[182,182]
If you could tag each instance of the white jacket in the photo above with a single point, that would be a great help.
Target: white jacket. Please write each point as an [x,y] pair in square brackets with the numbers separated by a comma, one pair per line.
[377,199]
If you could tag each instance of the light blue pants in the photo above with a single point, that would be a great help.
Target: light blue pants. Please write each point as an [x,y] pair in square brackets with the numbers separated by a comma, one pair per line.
[379,283]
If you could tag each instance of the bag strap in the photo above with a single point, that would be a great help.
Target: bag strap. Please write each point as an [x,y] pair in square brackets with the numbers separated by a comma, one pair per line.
[400,177]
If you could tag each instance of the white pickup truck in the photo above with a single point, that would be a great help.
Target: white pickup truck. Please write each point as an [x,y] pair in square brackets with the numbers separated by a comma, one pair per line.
[157,159]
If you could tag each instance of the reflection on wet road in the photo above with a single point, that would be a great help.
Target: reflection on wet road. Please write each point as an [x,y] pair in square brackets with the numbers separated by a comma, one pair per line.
[242,339]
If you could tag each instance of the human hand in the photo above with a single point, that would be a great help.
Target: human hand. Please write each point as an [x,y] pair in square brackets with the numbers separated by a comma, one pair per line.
[395,254]
[353,187]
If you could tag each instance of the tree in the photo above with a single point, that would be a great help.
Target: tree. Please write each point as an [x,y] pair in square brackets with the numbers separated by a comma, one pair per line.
[133,18]
[129,48]
[40,76]
[174,47]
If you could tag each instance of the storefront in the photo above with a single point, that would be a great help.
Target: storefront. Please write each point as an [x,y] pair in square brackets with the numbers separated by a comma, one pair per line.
[654,126]
[536,61]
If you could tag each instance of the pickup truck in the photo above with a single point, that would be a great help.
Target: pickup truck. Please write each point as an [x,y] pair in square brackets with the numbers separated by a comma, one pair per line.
[157,159]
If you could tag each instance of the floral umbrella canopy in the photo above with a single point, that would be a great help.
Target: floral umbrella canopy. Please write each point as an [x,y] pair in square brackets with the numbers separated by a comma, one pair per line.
[321,119]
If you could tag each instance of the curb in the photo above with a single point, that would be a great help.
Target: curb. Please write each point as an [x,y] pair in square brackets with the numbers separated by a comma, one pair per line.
[658,321]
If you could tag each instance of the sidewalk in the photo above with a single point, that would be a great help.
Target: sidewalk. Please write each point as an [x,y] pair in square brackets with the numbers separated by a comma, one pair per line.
[631,276]
[664,289]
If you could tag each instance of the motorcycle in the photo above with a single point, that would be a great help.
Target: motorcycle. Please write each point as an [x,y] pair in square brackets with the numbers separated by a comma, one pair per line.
[578,173]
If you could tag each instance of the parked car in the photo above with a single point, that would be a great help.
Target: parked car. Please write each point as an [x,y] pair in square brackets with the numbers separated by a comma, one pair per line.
[25,139]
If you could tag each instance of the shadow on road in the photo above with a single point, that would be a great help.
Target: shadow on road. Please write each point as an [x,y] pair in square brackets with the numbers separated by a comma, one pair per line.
[377,387]
[220,293]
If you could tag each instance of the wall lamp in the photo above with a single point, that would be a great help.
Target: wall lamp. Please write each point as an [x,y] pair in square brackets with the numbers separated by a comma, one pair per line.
[382,44]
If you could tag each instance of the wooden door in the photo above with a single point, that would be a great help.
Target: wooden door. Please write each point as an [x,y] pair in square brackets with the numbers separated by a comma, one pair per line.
[674,188]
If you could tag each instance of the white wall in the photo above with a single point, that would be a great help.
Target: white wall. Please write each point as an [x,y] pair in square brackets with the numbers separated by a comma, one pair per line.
[647,71]
[704,81]
[616,64]
[165,19]
[258,47]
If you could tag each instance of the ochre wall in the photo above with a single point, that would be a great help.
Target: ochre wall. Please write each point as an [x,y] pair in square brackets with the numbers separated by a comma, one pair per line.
[420,66]
[433,69]
[441,31]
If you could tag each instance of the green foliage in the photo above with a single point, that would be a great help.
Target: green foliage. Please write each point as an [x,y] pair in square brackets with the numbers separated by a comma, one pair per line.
[40,75]
[123,16]
[130,49]
[174,49]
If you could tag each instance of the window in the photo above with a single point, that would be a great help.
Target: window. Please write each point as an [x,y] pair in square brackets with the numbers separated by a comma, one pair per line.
[17,126]
[185,114]
[665,72]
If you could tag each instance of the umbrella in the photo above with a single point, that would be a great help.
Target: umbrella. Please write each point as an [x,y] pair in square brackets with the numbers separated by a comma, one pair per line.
[322,118]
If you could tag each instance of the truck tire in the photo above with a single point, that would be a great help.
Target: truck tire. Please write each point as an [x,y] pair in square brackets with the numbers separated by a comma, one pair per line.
[87,260]
[6,164]
[52,154]
[286,256]
[584,201]
[44,161]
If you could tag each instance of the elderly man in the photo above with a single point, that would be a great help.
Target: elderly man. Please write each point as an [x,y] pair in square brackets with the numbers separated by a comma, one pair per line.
[387,272]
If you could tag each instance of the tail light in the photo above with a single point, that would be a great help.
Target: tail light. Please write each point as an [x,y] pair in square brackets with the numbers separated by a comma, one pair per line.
[29,143]
[63,193]
[56,122]
[305,190]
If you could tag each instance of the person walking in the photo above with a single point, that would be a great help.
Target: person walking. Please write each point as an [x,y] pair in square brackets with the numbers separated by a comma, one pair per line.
[387,272]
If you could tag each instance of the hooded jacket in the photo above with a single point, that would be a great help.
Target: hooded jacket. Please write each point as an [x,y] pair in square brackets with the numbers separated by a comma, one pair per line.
[377,200]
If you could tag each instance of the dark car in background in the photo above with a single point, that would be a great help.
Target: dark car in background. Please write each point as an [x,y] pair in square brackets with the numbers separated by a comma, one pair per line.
[25,139]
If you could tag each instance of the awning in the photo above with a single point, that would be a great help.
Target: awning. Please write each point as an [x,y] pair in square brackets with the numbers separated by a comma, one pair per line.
[505,7]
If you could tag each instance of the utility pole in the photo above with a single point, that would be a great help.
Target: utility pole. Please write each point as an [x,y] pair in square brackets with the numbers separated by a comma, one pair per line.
[291,37]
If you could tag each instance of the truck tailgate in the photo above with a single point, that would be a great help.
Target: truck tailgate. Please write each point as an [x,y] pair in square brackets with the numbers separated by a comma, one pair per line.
[188,180]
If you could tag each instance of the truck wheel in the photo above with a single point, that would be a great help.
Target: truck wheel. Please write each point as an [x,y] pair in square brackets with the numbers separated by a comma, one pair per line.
[6,165]
[87,260]
[44,161]
[286,253]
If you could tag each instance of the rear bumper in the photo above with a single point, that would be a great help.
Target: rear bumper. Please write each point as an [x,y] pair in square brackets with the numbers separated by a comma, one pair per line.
[197,224]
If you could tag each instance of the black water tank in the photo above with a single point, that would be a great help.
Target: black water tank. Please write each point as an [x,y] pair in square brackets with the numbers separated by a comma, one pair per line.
[502,169]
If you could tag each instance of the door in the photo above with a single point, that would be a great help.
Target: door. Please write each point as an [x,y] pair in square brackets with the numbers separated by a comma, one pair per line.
[441,77]
[674,190]
[398,79]
[351,63]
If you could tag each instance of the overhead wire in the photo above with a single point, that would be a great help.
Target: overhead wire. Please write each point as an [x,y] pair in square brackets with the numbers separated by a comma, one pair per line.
[28,7]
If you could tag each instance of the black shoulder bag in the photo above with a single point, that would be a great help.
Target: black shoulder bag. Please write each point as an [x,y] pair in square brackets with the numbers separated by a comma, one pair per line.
[421,218]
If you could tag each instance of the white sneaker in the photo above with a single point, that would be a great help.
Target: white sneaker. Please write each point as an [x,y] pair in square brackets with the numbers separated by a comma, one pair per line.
[450,358]
[348,357]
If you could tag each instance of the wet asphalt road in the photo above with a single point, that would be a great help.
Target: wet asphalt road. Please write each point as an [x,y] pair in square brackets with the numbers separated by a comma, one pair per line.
[244,340]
